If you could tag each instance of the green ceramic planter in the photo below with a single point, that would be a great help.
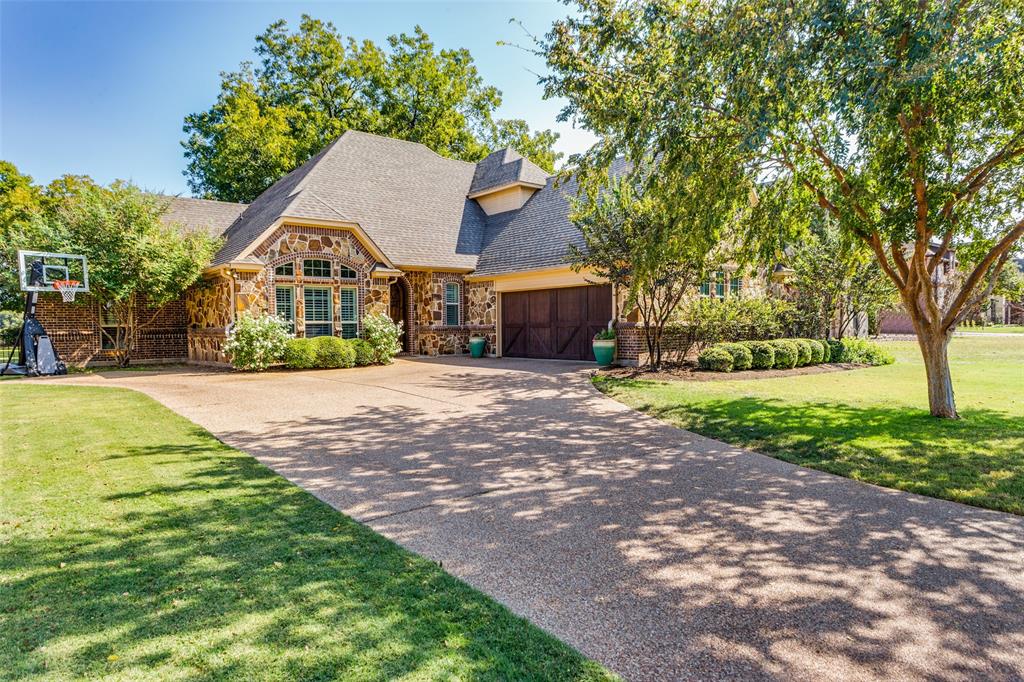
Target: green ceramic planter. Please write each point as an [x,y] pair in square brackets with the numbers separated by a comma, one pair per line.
[604,351]
[476,346]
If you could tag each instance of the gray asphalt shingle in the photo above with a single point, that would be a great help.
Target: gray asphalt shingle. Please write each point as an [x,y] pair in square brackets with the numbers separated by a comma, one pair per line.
[214,217]
[413,204]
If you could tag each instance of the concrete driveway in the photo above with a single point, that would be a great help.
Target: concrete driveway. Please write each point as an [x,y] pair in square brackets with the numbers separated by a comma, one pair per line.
[660,553]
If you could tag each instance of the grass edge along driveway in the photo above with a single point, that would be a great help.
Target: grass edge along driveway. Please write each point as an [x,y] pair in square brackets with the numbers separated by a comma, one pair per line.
[134,545]
[870,424]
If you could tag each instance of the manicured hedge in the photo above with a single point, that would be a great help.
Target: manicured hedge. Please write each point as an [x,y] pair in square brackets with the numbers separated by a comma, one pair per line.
[786,353]
[817,351]
[364,352]
[715,359]
[762,354]
[826,350]
[333,352]
[803,348]
[789,353]
[300,354]
[742,358]
[326,352]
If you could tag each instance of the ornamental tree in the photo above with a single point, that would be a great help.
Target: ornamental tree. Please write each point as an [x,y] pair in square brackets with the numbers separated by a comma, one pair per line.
[900,119]
[134,257]
[655,245]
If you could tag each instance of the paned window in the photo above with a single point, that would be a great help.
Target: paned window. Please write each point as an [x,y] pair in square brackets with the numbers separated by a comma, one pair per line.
[285,301]
[318,313]
[348,314]
[452,301]
[314,267]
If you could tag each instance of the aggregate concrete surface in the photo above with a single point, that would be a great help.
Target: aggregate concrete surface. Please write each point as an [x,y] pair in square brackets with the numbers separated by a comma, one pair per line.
[663,554]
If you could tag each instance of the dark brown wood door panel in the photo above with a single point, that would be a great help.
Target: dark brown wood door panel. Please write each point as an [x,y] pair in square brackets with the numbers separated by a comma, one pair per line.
[554,323]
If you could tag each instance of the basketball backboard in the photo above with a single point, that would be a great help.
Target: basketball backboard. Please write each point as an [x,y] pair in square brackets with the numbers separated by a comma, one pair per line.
[38,270]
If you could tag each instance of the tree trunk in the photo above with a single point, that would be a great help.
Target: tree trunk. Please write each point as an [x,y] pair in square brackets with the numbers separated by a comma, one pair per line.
[934,349]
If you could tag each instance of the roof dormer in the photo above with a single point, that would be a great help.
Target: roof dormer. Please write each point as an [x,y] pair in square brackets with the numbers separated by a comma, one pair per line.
[504,181]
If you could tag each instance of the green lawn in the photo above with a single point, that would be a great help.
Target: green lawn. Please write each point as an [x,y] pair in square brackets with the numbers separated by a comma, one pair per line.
[995,329]
[133,545]
[871,424]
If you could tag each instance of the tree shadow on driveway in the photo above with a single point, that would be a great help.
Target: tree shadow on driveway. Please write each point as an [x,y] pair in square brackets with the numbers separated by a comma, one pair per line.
[661,553]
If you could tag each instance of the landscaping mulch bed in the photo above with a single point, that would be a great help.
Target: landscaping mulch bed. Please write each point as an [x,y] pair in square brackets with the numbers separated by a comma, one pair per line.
[693,373]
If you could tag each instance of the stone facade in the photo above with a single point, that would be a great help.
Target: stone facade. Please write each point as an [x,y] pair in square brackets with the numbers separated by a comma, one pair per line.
[477,312]
[196,326]
[208,314]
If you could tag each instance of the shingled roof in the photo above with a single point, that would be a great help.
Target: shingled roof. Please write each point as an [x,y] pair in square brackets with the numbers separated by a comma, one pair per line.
[413,205]
[410,201]
[214,217]
[503,168]
[538,235]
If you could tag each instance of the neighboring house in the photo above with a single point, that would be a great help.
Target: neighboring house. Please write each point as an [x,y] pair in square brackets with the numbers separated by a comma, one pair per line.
[377,225]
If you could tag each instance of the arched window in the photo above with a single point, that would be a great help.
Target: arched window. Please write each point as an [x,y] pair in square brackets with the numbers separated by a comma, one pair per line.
[452,301]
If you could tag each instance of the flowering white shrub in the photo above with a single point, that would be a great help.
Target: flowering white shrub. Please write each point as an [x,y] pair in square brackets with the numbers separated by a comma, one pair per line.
[256,341]
[383,334]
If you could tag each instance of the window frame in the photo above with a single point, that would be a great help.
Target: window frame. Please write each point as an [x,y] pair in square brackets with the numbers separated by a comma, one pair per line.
[277,305]
[343,271]
[349,328]
[307,309]
[457,304]
[330,268]
[735,284]
[278,267]
[108,339]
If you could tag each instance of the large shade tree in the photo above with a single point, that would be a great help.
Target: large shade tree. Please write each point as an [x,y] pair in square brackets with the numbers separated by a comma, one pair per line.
[901,119]
[310,85]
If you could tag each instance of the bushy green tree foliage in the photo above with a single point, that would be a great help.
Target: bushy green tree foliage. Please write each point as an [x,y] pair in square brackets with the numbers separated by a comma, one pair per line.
[310,85]
[135,258]
[900,119]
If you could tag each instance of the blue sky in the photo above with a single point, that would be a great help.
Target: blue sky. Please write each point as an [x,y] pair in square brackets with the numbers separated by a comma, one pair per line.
[102,88]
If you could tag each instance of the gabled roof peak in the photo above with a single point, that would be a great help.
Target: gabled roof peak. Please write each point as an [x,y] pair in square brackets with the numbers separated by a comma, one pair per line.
[506,167]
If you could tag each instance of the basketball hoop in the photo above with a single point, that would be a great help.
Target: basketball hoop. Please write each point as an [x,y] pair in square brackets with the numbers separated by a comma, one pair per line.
[67,288]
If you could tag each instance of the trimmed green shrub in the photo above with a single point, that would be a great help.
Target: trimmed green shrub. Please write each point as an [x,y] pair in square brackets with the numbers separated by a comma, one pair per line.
[826,350]
[255,342]
[383,334]
[333,352]
[364,352]
[762,354]
[803,347]
[835,350]
[864,352]
[741,355]
[817,351]
[300,354]
[786,353]
[715,359]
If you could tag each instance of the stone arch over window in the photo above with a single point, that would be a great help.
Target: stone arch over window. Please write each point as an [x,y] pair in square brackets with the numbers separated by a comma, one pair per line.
[360,282]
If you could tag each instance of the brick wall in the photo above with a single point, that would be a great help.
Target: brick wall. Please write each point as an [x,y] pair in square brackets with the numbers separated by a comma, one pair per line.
[74,330]
[631,347]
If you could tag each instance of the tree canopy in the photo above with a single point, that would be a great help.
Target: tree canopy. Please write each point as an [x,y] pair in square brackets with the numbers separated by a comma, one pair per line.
[901,119]
[134,256]
[312,84]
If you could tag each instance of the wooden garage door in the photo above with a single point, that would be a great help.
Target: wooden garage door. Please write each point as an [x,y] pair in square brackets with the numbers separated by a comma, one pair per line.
[554,323]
